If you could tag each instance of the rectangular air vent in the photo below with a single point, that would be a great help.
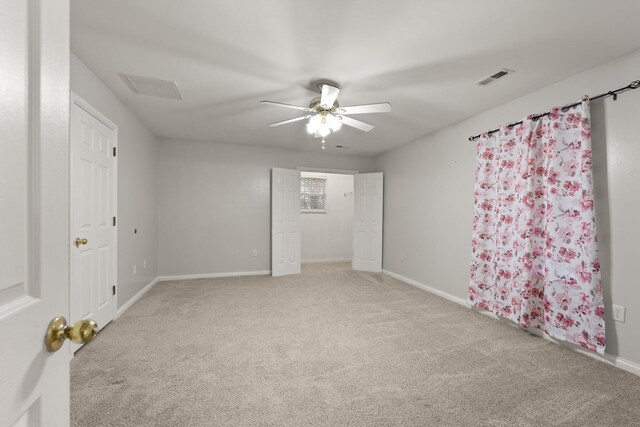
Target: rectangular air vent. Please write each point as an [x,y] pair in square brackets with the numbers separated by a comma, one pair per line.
[500,74]
[151,87]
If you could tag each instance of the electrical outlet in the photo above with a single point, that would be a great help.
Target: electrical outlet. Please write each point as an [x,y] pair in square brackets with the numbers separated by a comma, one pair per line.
[135,269]
[255,252]
[401,256]
[144,264]
[618,313]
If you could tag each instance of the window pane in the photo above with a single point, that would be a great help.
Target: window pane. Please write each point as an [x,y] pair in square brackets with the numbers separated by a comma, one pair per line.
[312,193]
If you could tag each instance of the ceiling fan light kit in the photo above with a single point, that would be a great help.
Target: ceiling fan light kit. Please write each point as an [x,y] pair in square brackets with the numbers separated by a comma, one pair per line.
[323,124]
[325,114]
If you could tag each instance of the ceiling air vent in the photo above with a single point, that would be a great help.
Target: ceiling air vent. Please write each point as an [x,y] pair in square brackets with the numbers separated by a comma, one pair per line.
[500,74]
[151,87]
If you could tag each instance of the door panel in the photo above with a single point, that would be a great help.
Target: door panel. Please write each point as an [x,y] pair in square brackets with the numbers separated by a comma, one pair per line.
[84,270]
[104,297]
[92,209]
[285,222]
[34,209]
[367,227]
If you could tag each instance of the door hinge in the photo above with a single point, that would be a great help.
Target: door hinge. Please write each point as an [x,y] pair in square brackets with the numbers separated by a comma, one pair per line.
[114,289]
[114,151]
[114,221]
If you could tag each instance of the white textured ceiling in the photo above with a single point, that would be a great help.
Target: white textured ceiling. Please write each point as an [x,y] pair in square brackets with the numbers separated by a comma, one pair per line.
[424,57]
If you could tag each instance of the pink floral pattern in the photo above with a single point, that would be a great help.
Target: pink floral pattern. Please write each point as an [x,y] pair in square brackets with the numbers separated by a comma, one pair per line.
[534,249]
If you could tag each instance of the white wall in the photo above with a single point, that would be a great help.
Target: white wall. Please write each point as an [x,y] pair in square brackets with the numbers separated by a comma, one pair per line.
[214,205]
[137,183]
[329,236]
[429,194]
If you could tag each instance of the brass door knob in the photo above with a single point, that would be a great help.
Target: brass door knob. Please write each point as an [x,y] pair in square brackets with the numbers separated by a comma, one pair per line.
[80,241]
[58,331]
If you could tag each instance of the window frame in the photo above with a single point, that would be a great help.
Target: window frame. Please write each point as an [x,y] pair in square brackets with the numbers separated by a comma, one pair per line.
[314,176]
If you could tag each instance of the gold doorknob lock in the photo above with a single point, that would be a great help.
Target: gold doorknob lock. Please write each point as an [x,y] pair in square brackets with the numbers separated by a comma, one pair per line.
[80,241]
[80,333]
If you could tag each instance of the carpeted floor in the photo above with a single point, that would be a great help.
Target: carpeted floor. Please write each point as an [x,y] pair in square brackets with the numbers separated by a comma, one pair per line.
[332,347]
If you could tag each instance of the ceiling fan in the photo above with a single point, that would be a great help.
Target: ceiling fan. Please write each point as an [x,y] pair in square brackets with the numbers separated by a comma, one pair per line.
[326,115]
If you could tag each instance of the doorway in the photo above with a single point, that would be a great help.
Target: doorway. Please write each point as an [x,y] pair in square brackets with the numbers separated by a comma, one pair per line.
[361,208]
[326,208]
[93,231]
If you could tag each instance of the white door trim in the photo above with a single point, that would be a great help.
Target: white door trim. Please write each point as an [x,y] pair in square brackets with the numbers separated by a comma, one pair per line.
[80,102]
[327,170]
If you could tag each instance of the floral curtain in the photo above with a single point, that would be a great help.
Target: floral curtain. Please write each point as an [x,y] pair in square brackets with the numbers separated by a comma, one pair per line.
[534,251]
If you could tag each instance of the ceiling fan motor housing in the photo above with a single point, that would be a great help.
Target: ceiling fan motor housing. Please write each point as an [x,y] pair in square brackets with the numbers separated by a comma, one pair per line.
[315,106]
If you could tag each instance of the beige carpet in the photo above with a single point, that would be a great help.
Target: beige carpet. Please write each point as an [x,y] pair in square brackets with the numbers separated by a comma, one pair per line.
[332,347]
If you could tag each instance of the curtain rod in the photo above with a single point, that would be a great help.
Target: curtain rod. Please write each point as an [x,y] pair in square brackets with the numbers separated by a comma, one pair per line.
[633,85]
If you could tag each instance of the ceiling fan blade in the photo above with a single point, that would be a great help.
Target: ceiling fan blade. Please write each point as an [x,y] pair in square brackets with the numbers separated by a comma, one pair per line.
[284,122]
[356,123]
[329,95]
[382,107]
[280,104]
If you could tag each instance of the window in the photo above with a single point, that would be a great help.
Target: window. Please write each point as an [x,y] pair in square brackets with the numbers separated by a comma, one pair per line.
[313,193]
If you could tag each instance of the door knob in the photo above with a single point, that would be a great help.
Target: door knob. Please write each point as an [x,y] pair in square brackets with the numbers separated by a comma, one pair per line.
[80,241]
[80,333]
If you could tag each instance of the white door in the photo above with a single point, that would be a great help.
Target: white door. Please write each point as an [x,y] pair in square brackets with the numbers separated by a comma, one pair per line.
[367,222]
[93,212]
[34,209]
[285,222]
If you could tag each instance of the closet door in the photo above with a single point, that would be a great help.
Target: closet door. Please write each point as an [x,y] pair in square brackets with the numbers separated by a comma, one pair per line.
[285,222]
[367,222]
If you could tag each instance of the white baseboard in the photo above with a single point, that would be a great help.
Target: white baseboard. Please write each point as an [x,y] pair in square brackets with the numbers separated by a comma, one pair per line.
[322,261]
[214,275]
[617,361]
[135,298]
[424,287]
